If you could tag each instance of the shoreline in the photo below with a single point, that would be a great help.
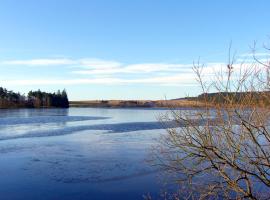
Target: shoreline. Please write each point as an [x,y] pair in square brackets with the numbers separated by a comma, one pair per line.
[136,103]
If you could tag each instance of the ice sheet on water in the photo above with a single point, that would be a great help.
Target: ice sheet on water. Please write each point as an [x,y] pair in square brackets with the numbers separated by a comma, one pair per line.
[108,128]
[45,119]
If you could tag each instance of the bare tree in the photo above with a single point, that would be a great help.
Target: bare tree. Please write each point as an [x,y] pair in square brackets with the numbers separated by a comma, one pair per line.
[223,151]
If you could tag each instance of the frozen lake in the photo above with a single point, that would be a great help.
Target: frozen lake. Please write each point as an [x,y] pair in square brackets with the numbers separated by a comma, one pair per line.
[78,153]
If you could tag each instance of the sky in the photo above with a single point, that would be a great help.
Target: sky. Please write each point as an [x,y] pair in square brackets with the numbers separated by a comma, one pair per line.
[121,49]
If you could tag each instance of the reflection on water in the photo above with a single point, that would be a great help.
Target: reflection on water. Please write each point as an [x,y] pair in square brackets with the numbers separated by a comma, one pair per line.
[22,113]
[78,153]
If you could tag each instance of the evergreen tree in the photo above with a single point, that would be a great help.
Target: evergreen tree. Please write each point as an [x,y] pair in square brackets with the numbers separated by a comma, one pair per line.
[35,99]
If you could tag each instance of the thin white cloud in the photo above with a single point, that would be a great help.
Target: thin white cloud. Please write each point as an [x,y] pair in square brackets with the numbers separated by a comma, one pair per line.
[105,72]
[86,63]
[256,54]
[92,63]
[39,62]
[97,71]
[154,67]
[179,79]
[57,81]
[137,68]
[99,66]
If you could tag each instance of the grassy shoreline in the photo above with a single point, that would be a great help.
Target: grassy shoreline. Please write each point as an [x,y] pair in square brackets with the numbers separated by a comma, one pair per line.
[136,103]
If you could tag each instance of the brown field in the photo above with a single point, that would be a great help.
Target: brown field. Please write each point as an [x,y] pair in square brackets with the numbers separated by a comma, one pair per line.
[137,103]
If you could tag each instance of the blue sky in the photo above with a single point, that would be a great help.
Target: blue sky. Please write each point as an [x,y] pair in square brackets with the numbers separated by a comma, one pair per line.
[121,49]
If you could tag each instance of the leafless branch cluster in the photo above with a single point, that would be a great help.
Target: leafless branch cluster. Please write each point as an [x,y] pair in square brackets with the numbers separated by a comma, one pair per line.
[223,152]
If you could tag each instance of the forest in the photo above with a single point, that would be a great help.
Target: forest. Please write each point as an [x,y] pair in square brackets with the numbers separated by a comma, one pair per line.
[34,99]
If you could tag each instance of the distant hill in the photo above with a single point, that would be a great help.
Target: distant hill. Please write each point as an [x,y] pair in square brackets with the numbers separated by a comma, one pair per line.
[236,97]
[199,101]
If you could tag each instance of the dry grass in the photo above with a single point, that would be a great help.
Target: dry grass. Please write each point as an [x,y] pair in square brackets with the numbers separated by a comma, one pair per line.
[138,103]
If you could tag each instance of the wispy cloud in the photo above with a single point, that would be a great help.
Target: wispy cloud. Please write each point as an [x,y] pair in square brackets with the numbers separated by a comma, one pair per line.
[256,54]
[93,63]
[39,62]
[97,71]
[179,79]
[136,68]
[87,63]
[93,66]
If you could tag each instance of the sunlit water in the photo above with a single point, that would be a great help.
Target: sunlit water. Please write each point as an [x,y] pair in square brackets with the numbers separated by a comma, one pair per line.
[78,153]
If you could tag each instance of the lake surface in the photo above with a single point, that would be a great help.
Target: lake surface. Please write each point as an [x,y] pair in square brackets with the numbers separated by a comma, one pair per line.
[78,153]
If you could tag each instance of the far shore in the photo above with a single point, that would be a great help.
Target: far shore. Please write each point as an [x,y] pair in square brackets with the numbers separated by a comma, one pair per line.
[137,103]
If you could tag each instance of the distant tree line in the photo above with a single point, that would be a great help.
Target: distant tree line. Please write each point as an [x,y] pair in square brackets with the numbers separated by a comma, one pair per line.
[34,99]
